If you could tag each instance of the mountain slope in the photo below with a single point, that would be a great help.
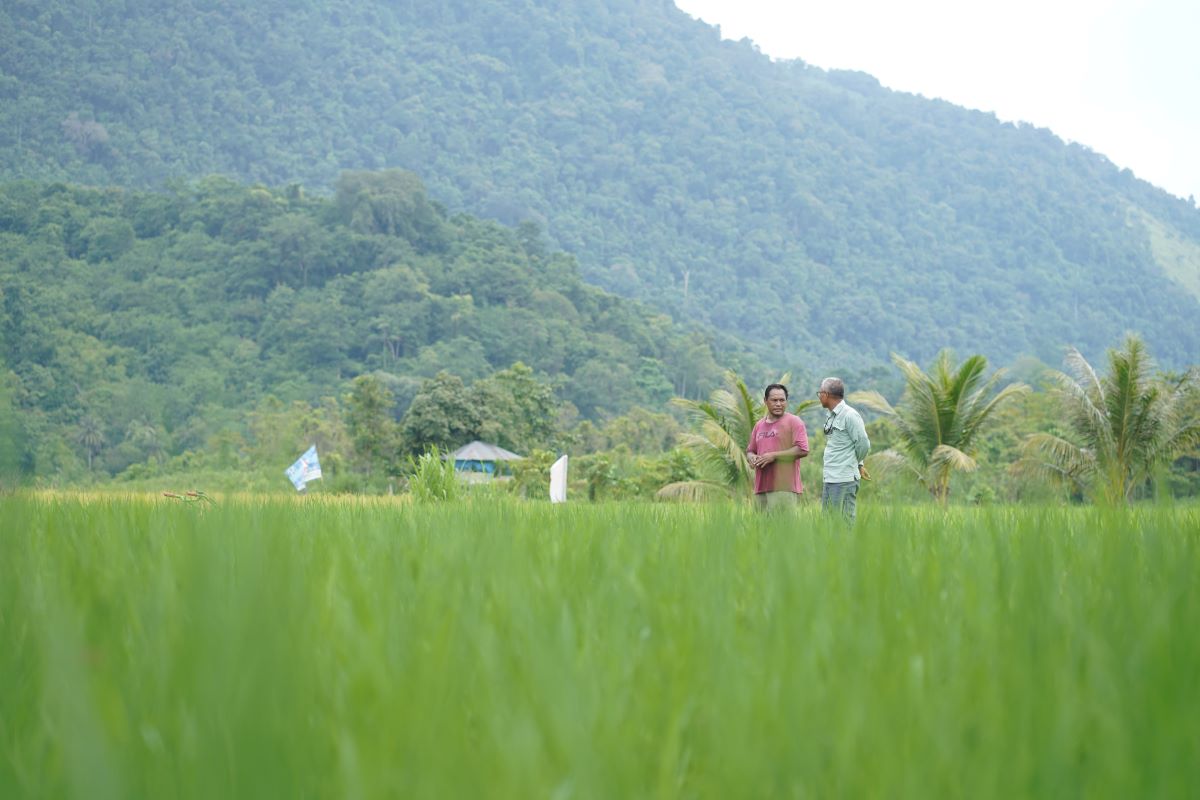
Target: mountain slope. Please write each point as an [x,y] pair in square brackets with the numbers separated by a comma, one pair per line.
[126,312]
[808,212]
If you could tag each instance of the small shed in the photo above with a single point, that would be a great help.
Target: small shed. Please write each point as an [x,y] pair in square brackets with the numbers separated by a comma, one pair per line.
[481,457]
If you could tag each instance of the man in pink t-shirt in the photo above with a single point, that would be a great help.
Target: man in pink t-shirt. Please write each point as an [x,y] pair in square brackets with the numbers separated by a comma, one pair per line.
[777,443]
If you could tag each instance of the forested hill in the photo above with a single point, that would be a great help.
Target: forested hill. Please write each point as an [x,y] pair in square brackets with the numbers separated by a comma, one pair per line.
[164,318]
[788,205]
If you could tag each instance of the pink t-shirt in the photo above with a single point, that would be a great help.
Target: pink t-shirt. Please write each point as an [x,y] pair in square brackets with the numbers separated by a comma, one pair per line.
[768,437]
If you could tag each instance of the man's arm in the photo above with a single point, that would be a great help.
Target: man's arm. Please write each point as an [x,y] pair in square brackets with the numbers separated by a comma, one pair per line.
[858,435]
[800,437]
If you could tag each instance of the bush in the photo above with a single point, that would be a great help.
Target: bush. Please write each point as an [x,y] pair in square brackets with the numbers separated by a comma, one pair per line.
[433,478]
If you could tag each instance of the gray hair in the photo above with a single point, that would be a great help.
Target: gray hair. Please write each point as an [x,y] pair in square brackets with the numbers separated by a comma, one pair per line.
[834,386]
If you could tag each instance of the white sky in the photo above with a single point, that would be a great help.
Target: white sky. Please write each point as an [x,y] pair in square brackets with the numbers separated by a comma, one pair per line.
[1120,76]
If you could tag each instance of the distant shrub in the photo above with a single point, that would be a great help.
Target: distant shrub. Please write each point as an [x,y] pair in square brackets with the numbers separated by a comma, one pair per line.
[433,479]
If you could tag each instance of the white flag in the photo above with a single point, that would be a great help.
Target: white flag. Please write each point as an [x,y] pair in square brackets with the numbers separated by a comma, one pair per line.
[558,481]
[307,468]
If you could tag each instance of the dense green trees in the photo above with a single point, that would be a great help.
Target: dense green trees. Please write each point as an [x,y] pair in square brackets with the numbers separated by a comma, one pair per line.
[940,418]
[370,424]
[518,412]
[226,294]
[1122,425]
[12,435]
[441,416]
[511,408]
[809,213]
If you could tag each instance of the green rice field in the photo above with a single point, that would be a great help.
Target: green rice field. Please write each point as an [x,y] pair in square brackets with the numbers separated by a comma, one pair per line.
[298,648]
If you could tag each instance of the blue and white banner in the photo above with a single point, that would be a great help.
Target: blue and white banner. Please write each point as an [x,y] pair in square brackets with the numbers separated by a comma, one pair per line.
[307,468]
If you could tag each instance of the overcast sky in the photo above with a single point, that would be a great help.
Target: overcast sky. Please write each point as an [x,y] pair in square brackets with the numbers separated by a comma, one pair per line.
[1120,76]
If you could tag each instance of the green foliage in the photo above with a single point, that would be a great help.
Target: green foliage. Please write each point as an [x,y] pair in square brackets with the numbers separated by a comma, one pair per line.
[217,343]
[531,475]
[771,200]
[999,445]
[1183,478]
[940,418]
[369,423]
[142,350]
[107,239]
[278,433]
[639,431]
[723,425]
[391,202]
[623,475]
[518,412]
[13,452]
[602,480]
[1122,425]
[432,478]
[336,648]
[441,416]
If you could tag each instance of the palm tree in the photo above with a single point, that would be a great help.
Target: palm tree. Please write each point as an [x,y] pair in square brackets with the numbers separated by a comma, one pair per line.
[90,436]
[1123,425]
[145,434]
[939,418]
[723,426]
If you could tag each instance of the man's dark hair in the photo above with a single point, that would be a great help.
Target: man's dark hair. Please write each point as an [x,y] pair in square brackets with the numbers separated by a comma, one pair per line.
[772,387]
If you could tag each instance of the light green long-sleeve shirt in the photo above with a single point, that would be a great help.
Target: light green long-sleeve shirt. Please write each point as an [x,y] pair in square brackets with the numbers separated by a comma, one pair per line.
[846,444]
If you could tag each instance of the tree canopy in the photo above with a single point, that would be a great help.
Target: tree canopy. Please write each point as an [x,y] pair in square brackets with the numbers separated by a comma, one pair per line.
[216,295]
[814,213]
[941,418]
[1122,425]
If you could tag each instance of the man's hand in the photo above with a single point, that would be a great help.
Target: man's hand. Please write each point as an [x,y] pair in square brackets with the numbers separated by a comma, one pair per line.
[760,460]
[862,470]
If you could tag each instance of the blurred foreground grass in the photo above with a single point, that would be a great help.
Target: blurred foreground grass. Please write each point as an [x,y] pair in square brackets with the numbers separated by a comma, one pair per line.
[324,648]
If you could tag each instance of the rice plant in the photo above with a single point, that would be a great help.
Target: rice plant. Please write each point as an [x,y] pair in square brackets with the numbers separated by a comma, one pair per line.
[326,647]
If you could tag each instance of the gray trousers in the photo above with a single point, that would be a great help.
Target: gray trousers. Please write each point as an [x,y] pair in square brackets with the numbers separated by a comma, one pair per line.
[776,501]
[841,497]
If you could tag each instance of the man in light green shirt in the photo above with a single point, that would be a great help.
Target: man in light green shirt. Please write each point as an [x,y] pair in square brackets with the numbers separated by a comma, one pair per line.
[846,445]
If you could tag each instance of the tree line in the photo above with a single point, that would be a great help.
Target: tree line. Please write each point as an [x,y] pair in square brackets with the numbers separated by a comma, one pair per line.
[140,325]
[1109,436]
[217,329]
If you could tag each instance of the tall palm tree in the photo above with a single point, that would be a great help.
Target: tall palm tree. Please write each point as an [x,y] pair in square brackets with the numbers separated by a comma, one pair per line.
[1122,425]
[723,425]
[90,436]
[939,417]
